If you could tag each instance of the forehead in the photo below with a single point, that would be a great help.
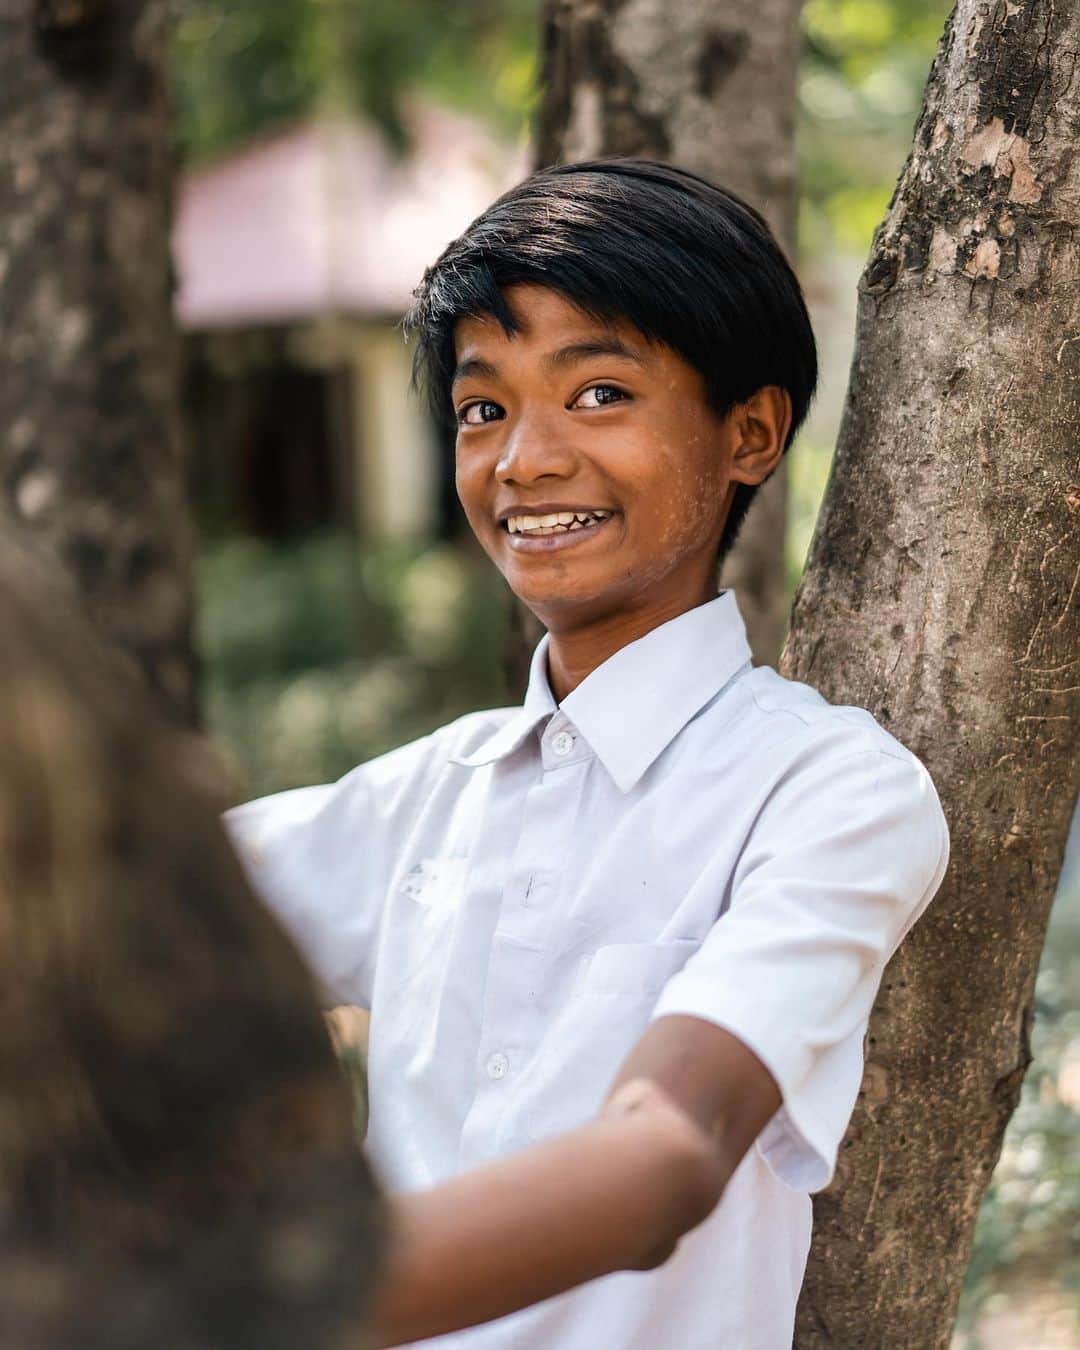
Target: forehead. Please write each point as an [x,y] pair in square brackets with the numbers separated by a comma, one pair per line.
[543,316]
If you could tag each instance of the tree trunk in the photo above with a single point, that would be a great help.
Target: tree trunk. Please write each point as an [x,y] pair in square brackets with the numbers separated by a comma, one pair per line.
[90,458]
[941,594]
[711,89]
[177,1161]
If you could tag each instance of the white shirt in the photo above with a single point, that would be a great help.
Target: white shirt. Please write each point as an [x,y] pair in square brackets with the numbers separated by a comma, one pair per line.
[517,895]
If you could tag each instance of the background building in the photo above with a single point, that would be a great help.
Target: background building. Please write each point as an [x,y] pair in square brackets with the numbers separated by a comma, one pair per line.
[296,257]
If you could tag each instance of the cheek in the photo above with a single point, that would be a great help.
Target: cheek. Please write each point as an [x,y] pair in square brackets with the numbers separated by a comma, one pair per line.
[689,493]
[470,480]
[473,482]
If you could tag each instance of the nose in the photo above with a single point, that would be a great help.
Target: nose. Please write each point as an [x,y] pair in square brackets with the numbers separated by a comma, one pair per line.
[535,447]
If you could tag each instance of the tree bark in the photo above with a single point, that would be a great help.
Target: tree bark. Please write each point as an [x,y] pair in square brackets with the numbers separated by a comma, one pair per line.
[90,451]
[711,89]
[941,594]
[177,1161]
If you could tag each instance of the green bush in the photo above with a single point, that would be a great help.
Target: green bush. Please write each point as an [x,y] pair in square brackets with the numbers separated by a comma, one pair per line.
[320,655]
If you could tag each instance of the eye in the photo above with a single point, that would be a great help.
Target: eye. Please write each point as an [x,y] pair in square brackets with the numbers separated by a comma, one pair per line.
[464,414]
[597,390]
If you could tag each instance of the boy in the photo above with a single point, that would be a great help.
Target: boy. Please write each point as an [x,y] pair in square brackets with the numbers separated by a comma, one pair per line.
[613,938]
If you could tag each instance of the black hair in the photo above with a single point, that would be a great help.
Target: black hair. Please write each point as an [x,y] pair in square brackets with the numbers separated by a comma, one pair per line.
[687,262]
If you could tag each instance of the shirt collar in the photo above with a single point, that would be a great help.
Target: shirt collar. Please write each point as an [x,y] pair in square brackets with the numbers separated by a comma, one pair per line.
[539,703]
[633,705]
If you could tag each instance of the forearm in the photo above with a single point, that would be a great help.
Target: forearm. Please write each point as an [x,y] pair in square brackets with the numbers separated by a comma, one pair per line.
[606,1197]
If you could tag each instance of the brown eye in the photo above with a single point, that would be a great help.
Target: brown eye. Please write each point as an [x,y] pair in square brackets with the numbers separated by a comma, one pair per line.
[466,419]
[597,390]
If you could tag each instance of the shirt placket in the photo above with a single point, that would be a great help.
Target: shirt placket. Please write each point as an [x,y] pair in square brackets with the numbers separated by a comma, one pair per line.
[522,950]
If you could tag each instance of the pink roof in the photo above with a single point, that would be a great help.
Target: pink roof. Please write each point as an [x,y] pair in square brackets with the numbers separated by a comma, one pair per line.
[325,218]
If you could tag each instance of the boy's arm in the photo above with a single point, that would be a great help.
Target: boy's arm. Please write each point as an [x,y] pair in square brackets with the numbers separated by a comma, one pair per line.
[713,1078]
[717,1081]
[616,1194]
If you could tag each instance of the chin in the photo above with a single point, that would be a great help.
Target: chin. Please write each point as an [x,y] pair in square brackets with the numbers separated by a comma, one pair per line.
[552,602]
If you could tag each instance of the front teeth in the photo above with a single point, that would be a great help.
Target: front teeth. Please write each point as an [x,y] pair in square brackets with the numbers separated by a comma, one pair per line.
[558,522]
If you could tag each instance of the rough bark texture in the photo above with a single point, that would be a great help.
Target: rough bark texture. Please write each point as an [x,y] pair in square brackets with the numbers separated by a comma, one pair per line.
[90,457]
[941,593]
[711,88]
[177,1163]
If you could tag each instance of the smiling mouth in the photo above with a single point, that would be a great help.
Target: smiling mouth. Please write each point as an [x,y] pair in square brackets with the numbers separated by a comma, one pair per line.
[554,522]
[546,538]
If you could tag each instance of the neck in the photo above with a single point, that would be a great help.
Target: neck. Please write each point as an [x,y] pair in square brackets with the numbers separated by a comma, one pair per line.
[574,652]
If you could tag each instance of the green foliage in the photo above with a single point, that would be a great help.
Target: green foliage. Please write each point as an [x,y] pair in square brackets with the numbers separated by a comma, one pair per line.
[240,68]
[319,656]
[864,66]
[245,67]
[808,472]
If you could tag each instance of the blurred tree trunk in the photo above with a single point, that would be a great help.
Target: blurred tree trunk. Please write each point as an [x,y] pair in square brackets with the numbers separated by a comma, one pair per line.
[177,1159]
[712,89]
[941,594]
[90,457]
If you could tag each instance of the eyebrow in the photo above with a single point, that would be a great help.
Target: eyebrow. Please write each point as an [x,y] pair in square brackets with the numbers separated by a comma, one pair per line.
[566,356]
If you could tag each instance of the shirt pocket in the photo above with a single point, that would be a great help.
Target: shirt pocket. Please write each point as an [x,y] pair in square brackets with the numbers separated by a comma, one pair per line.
[597,1026]
[640,968]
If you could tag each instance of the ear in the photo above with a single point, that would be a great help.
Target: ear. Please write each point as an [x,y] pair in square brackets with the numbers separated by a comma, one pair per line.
[761,425]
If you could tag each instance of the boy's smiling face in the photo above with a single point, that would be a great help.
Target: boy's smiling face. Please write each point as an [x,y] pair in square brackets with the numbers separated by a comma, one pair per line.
[573,415]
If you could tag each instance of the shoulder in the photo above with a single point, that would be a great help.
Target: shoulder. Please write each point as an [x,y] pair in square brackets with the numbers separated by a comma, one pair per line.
[381,787]
[835,770]
[786,726]
[800,716]
[321,857]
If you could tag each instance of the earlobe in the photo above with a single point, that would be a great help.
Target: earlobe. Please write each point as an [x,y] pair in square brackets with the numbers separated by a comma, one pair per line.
[762,425]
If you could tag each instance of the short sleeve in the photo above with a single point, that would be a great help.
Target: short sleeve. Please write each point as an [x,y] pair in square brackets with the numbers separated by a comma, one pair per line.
[845,855]
[320,859]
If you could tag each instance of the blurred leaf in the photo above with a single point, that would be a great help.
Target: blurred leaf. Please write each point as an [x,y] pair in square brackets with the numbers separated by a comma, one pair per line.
[864,66]
[246,67]
[320,655]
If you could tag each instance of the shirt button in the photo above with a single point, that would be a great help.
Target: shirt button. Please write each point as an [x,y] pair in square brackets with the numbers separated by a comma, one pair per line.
[562,743]
[497,1066]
